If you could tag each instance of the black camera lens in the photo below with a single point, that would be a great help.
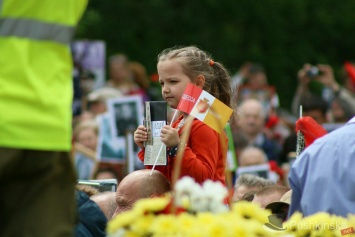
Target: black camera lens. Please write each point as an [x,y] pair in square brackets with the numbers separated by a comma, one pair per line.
[313,72]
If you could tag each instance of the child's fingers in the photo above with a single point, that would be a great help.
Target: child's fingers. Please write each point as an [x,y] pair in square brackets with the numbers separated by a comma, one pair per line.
[141,127]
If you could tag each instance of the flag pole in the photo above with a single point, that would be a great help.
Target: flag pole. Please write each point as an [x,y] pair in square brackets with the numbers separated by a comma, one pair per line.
[180,153]
[227,173]
[300,111]
[183,141]
[162,145]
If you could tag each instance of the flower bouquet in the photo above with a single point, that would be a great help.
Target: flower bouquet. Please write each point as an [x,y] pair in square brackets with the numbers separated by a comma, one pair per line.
[194,210]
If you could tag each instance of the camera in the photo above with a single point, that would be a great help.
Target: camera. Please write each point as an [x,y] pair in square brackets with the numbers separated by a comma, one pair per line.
[102,185]
[313,72]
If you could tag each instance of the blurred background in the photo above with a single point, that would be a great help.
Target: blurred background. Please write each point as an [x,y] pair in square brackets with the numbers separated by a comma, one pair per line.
[281,35]
[269,47]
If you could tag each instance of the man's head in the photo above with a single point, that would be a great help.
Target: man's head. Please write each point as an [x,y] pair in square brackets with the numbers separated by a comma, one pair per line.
[315,107]
[119,68]
[137,185]
[256,76]
[86,133]
[106,173]
[252,156]
[247,183]
[106,202]
[251,117]
[97,99]
[266,195]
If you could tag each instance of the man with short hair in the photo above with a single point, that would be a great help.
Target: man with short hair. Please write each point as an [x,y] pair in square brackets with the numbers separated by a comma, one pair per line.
[137,185]
[247,183]
[252,122]
[270,194]
[252,156]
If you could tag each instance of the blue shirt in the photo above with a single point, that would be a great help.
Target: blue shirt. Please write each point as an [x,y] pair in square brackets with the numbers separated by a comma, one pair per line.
[323,176]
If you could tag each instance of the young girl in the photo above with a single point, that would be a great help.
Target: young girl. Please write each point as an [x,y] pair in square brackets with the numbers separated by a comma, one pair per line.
[204,157]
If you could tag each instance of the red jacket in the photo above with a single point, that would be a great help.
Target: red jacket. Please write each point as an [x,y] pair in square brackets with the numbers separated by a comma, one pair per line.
[203,155]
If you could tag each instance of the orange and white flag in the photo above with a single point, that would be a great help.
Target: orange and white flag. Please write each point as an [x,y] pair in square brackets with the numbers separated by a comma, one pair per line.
[205,107]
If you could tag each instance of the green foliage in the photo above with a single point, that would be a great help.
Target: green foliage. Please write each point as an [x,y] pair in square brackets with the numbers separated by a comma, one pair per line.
[280,34]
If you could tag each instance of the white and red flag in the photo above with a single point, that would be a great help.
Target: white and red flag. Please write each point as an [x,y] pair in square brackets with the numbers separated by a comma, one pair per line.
[205,107]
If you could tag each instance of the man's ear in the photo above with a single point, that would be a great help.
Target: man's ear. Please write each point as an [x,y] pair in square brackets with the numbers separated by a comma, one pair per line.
[200,81]
[152,195]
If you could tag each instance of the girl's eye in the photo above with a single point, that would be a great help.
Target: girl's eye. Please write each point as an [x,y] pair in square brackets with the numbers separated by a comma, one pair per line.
[161,83]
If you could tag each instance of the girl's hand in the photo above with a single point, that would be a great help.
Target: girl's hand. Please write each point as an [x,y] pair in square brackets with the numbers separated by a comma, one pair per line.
[169,136]
[140,136]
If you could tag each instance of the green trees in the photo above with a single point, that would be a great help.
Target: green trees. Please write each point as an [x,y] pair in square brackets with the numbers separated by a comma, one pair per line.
[280,34]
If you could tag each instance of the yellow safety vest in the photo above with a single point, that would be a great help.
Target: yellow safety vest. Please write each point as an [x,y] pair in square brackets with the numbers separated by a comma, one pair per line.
[36,72]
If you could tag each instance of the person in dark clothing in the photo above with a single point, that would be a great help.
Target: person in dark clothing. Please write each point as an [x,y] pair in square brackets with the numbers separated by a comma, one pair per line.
[92,221]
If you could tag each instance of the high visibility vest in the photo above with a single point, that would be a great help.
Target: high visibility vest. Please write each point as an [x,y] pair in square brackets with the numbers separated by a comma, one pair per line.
[36,72]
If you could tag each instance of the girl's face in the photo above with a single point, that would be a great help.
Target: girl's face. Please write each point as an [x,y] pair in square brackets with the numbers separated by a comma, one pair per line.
[173,81]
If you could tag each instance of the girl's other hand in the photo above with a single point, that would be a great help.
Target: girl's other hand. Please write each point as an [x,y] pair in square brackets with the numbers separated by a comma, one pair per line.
[169,136]
[140,136]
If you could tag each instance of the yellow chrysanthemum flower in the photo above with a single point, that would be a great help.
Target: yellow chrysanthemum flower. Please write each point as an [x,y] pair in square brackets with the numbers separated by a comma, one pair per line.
[240,230]
[131,234]
[164,225]
[149,205]
[186,221]
[219,227]
[291,223]
[141,225]
[123,220]
[243,220]
[204,218]
[249,210]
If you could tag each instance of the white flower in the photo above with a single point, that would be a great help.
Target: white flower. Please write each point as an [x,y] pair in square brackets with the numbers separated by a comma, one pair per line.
[215,190]
[184,190]
[196,198]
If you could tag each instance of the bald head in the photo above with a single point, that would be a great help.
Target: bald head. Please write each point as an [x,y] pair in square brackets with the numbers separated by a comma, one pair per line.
[252,156]
[251,117]
[139,184]
[107,203]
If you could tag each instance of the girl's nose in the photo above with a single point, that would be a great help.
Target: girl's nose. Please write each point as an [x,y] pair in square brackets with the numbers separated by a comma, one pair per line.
[165,89]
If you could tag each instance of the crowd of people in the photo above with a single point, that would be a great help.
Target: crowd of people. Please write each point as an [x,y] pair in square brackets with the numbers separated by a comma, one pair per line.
[37,175]
[264,135]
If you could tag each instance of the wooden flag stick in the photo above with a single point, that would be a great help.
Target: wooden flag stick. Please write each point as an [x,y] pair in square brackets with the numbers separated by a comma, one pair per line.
[178,160]
[228,175]
[183,141]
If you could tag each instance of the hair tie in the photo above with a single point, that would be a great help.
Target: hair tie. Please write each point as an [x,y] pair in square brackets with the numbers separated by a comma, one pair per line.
[211,62]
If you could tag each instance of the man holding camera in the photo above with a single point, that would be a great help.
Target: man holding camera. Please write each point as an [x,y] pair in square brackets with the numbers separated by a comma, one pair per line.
[332,91]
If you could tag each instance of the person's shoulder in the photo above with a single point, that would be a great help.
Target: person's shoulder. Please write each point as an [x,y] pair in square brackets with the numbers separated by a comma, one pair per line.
[333,142]
[345,133]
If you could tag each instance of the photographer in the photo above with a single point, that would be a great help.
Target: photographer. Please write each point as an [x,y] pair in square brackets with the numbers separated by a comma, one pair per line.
[332,91]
